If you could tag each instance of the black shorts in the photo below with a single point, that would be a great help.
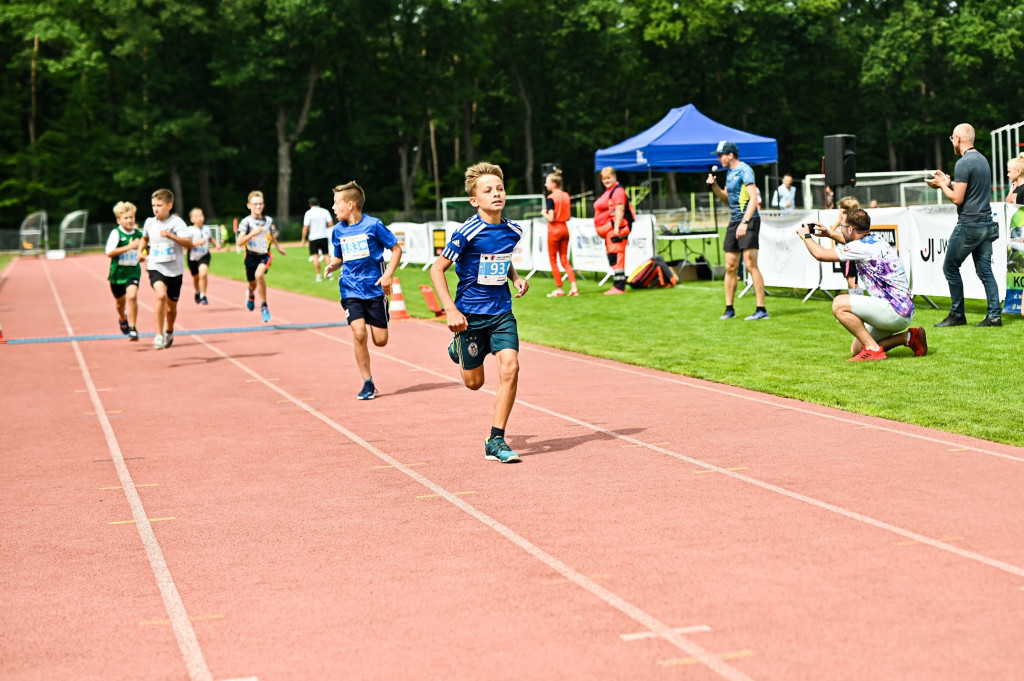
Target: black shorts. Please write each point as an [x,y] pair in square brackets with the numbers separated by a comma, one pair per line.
[254,260]
[373,310]
[485,334]
[119,290]
[749,240]
[318,246]
[173,284]
[193,265]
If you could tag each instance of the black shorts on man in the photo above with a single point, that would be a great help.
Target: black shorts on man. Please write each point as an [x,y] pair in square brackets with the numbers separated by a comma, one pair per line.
[253,261]
[373,310]
[317,246]
[749,240]
[193,265]
[173,284]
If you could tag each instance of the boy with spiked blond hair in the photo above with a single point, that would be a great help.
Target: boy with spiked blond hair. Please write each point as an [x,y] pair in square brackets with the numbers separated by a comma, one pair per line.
[257,234]
[357,247]
[481,314]
[125,272]
[166,237]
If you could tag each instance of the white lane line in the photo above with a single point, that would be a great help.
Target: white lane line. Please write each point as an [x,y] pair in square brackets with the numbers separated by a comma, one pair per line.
[796,496]
[183,631]
[641,635]
[649,622]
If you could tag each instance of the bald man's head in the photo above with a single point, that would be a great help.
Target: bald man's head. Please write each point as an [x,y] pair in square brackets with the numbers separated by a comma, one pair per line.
[965,131]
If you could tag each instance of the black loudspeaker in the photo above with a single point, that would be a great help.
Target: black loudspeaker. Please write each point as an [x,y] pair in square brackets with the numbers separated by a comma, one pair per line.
[840,160]
[548,168]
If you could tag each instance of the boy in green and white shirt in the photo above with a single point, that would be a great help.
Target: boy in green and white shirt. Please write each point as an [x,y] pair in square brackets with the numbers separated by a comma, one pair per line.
[125,271]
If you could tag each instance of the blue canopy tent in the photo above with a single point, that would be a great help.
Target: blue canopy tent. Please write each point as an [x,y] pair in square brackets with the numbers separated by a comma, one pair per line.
[684,141]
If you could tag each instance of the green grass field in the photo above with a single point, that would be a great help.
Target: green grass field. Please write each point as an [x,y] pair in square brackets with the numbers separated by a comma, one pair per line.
[968,383]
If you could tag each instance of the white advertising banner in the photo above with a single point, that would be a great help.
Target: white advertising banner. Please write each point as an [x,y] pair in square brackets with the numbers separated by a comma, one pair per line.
[933,225]
[586,247]
[414,238]
[522,256]
[782,258]
[640,246]
[539,247]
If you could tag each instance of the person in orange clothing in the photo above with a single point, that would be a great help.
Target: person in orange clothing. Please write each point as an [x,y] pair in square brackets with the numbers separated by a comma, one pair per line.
[613,218]
[556,212]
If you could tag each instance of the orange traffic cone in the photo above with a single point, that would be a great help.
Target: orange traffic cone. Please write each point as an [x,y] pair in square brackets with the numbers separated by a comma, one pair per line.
[3,341]
[431,300]
[397,308]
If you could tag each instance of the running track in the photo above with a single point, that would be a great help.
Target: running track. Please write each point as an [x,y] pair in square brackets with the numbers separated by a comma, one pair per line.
[226,510]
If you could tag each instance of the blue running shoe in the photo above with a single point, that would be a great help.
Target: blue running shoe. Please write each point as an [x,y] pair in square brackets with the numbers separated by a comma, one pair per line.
[452,352]
[250,303]
[729,314]
[368,392]
[265,313]
[496,449]
[760,314]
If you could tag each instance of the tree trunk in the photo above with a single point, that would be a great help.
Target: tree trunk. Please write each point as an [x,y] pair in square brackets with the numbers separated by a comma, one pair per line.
[888,142]
[204,193]
[179,195]
[527,124]
[407,172]
[673,191]
[286,142]
[437,177]
[467,132]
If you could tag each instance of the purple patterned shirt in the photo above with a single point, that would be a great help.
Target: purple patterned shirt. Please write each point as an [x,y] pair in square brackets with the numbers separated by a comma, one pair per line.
[881,271]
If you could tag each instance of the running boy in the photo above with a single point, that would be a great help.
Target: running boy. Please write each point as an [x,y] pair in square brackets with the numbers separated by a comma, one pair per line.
[123,251]
[199,257]
[166,236]
[257,234]
[481,315]
[357,246]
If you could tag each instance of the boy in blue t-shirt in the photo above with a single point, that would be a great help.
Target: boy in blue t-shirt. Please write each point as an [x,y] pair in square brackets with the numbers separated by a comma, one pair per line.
[357,246]
[481,314]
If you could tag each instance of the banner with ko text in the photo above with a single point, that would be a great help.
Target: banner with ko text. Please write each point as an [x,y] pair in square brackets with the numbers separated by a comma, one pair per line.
[1014,221]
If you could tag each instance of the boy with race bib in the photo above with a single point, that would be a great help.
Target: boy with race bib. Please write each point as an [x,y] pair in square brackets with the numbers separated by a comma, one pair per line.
[166,236]
[481,314]
[125,272]
[256,232]
[202,236]
[357,246]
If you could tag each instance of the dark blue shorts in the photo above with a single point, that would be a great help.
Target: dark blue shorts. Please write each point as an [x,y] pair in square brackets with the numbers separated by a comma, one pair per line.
[486,334]
[373,310]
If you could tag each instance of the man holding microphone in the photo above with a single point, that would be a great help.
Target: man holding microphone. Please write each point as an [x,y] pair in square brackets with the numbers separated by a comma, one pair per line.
[878,321]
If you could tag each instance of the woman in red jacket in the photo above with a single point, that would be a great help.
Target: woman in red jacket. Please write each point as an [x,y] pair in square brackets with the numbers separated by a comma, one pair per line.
[613,217]
[556,212]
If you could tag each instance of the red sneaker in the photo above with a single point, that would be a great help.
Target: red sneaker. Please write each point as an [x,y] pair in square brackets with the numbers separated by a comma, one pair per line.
[614,291]
[868,355]
[918,342]
[557,293]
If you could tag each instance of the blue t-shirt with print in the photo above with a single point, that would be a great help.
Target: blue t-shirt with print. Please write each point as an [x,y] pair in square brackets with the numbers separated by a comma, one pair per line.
[736,181]
[361,249]
[482,254]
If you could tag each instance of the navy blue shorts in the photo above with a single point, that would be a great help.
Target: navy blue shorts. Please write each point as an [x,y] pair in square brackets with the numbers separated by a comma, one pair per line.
[373,310]
[486,334]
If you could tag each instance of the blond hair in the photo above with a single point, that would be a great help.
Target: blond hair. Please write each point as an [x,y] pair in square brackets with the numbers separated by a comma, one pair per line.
[1017,162]
[165,195]
[556,177]
[254,194]
[475,172]
[351,191]
[849,203]
[123,208]
[610,171]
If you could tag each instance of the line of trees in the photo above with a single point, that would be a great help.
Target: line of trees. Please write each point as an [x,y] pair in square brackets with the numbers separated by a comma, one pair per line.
[103,100]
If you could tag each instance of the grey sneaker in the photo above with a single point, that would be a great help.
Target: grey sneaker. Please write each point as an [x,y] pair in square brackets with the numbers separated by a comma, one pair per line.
[158,342]
[168,339]
[496,449]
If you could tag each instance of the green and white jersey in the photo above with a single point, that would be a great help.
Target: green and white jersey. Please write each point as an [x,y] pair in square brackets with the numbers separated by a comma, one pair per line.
[124,267]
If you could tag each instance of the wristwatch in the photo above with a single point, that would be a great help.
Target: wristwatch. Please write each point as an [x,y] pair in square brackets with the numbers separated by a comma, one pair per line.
[744,222]
[808,235]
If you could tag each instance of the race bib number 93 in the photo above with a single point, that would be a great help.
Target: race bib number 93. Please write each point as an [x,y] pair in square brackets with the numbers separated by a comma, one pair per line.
[494,269]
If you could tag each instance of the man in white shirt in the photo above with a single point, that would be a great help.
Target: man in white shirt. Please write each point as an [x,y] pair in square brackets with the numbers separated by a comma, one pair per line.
[316,226]
[785,196]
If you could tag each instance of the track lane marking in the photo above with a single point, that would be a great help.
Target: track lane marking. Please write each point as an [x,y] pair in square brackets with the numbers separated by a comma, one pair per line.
[641,635]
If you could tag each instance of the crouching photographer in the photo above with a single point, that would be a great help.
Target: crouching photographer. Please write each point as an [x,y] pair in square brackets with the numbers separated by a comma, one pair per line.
[878,321]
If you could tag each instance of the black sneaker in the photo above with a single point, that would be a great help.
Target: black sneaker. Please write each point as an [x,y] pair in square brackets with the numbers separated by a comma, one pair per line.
[368,392]
[203,300]
[198,298]
[123,323]
[168,339]
[953,320]
[133,335]
[990,321]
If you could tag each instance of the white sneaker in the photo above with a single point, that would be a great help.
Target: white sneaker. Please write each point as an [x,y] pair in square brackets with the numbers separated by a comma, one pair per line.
[319,278]
[158,342]
[330,276]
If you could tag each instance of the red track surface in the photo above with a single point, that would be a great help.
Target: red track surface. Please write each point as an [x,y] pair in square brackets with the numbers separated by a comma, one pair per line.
[296,533]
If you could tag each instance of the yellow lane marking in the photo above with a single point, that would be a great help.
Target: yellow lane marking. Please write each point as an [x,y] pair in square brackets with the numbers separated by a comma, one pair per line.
[407,465]
[914,541]
[652,444]
[741,468]
[129,522]
[137,486]
[435,496]
[563,580]
[959,449]
[680,661]
[197,618]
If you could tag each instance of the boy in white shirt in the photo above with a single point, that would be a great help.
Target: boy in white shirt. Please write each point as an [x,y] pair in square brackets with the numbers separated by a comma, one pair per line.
[166,237]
